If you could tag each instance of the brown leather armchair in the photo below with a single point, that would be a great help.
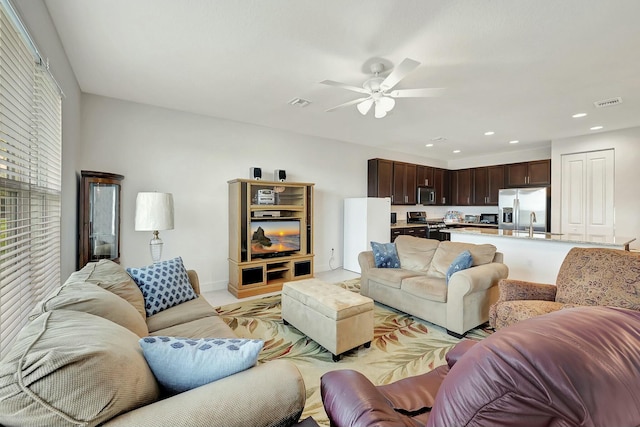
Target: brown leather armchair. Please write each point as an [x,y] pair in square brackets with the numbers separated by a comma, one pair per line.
[575,367]
[587,276]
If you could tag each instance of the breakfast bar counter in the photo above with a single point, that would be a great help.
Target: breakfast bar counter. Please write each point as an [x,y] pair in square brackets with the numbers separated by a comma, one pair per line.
[535,258]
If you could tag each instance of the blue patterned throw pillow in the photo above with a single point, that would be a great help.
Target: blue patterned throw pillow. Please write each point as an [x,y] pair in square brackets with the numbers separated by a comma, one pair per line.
[163,285]
[180,364]
[385,255]
[463,261]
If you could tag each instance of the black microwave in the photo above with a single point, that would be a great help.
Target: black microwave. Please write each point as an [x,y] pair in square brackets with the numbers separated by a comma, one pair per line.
[426,196]
[488,218]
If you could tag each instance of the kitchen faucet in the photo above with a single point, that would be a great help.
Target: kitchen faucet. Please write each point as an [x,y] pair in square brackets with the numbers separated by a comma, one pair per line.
[532,219]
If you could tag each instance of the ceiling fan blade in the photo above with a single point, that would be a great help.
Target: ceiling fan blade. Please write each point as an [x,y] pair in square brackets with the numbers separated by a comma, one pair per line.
[346,104]
[399,73]
[345,86]
[427,92]
[365,106]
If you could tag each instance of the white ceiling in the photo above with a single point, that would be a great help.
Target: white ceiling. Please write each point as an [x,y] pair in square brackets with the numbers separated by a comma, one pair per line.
[518,68]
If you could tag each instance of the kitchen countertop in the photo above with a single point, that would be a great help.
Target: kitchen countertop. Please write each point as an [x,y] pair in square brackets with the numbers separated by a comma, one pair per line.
[405,224]
[470,224]
[613,241]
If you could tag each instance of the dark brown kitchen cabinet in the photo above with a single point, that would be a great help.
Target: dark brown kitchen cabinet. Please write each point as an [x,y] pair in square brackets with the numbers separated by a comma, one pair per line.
[487,182]
[442,187]
[529,173]
[424,176]
[380,178]
[409,231]
[404,184]
[462,187]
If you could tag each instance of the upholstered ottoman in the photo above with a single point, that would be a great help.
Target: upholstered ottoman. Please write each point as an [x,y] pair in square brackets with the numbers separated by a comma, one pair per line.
[337,319]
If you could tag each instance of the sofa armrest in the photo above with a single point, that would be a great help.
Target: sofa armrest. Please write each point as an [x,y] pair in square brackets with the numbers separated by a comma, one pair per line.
[478,278]
[367,262]
[195,282]
[512,290]
[269,394]
[351,400]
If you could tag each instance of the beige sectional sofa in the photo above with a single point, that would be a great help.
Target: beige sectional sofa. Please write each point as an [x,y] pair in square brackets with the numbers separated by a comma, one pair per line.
[419,286]
[78,362]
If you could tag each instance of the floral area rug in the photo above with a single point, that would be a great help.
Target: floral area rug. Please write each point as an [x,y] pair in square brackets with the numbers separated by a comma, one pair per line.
[402,346]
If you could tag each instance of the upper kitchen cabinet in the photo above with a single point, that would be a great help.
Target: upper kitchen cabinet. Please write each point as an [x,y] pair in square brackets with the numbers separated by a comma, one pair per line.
[404,184]
[487,182]
[462,187]
[424,176]
[380,178]
[524,174]
[441,185]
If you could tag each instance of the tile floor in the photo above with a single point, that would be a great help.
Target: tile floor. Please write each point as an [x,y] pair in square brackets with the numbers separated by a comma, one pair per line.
[224,297]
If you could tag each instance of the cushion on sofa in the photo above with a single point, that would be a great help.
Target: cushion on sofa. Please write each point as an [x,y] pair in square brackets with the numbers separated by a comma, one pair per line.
[182,313]
[385,255]
[163,284]
[415,254]
[181,364]
[463,261]
[92,299]
[427,287]
[212,326]
[112,277]
[448,251]
[392,277]
[71,368]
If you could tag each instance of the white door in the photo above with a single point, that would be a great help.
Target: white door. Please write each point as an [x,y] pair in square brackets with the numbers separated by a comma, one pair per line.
[587,194]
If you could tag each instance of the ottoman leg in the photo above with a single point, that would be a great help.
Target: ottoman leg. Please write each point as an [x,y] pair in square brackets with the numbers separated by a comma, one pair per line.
[336,357]
[367,344]
[285,322]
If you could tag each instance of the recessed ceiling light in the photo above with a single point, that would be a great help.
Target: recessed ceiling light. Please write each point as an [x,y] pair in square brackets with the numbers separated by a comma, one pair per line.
[429,145]
[596,127]
[456,151]
[489,133]
[515,141]
[578,115]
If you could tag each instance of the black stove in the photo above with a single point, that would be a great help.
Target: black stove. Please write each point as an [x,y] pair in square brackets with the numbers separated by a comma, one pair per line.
[434,225]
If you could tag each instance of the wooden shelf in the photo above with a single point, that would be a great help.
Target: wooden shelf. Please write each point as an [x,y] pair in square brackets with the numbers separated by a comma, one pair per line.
[257,273]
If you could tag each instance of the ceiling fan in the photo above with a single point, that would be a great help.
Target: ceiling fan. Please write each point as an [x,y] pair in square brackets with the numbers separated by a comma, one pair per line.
[378,90]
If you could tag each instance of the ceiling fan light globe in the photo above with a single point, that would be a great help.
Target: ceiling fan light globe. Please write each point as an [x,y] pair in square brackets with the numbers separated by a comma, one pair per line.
[365,106]
[379,111]
[386,103]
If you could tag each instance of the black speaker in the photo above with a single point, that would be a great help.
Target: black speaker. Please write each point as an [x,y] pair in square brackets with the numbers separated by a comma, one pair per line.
[279,175]
[255,173]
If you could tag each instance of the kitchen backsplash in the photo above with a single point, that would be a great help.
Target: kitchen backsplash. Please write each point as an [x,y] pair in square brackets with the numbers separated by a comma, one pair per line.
[439,211]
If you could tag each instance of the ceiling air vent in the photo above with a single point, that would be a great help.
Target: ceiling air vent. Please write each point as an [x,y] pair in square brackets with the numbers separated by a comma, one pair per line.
[608,102]
[299,102]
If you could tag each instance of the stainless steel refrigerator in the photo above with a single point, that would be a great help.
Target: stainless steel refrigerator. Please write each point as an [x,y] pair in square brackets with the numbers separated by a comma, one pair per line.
[517,204]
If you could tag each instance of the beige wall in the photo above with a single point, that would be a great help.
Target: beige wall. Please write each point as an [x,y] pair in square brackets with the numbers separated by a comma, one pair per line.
[194,156]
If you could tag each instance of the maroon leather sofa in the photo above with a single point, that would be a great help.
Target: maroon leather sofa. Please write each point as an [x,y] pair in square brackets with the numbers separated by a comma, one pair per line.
[573,367]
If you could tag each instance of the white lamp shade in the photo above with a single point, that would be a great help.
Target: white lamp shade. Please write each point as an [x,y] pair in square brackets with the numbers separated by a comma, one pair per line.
[154,211]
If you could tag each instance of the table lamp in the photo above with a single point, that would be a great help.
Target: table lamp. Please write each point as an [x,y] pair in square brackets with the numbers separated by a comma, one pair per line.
[154,212]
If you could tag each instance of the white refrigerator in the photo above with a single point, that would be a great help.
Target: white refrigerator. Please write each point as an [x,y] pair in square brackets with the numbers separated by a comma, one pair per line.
[366,219]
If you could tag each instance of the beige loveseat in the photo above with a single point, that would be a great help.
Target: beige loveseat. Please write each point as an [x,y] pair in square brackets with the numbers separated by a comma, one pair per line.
[78,362]
[419,286]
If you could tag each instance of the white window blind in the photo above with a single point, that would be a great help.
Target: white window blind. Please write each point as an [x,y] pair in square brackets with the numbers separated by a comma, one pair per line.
[30,179]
